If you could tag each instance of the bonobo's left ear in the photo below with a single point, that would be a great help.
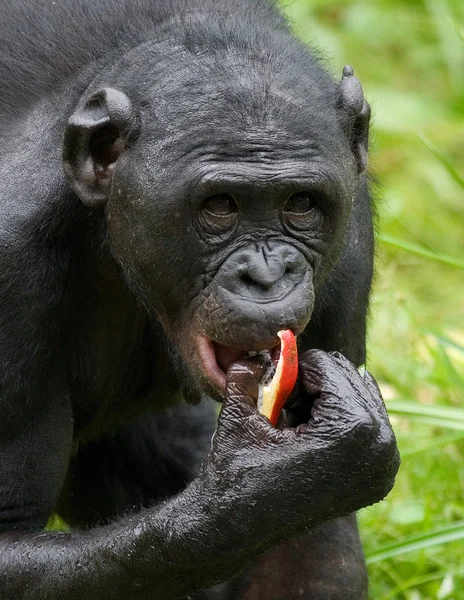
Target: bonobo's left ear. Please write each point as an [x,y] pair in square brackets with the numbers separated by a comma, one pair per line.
[98,131]
[354,114]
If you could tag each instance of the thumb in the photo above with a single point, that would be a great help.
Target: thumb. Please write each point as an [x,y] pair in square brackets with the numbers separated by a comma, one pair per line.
[242,387]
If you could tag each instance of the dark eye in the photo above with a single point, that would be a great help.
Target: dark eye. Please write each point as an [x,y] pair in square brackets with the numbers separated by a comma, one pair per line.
[220,205]
[302,202]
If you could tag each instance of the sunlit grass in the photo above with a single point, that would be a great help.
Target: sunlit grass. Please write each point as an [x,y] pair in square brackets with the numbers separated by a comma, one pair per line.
[409,55]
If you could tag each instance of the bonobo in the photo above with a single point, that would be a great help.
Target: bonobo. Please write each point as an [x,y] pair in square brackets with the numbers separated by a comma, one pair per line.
[179,181]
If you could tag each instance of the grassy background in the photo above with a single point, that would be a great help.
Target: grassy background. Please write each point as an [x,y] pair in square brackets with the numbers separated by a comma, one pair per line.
[409,55]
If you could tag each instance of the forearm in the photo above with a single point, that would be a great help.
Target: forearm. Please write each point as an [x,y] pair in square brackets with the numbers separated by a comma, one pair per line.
[160,553]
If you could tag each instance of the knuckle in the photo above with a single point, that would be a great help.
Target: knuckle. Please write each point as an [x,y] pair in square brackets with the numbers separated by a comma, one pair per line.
[372,383]
[312,354]
[233,412]
[233,420]
[236,389]
[338,356]
[242,422]
[386,438]
[364,425]
[329,369]
[314,359]
[385,482]
[388,452]
[386,465]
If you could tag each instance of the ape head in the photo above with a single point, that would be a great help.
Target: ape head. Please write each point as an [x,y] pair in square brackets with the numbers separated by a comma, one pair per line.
[226,185]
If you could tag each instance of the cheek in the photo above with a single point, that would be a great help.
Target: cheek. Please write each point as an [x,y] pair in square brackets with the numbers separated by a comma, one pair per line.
[155,252]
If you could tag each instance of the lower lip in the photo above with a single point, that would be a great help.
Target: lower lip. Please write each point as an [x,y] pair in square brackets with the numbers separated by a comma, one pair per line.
[210,367]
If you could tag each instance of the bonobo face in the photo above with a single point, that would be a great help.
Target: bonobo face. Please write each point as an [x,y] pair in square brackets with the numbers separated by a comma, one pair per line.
[227,239]
[225,209]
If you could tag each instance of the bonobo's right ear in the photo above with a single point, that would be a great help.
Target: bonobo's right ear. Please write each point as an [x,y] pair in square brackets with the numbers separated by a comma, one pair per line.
[101,127]
[354,115]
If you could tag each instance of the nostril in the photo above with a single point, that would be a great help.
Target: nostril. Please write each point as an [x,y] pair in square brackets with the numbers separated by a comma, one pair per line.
[294,263]
[289,268]
[257,282]
[245,278]
[242,270]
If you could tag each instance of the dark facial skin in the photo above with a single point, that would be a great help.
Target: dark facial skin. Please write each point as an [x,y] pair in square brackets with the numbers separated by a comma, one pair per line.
[173,196]
[260,211]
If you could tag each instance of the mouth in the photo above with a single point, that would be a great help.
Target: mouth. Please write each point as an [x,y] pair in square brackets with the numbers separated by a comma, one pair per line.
[216,359]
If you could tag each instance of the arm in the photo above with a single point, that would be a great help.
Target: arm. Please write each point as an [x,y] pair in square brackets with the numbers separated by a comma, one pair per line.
[258,485]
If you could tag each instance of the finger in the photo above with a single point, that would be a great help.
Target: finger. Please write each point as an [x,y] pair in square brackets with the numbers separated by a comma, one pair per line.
[363,383]
[339,392]
[311,370]
[242,384]
[366,389]
[323,372]
[351,372]
[239,423]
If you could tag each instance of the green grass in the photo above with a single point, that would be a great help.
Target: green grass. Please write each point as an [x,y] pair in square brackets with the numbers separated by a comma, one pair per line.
[409,55]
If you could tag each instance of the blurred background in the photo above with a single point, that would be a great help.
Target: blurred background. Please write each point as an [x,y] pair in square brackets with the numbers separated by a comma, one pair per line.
[409,56]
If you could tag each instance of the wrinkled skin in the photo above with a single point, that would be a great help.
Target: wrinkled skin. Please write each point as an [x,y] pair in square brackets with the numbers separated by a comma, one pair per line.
[178,182]
[347,412]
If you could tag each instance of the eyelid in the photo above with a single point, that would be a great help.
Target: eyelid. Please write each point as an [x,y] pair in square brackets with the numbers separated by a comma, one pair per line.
[227,198]
[309,195]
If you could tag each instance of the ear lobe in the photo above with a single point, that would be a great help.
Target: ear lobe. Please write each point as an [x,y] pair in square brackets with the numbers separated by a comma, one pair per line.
[354,114]
[101,127]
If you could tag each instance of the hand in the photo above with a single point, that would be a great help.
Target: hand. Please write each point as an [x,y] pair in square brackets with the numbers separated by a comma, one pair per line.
[274,483]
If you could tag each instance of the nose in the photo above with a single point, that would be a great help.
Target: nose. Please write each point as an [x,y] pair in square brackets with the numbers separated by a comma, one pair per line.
[262,267]
[268,268]
[258,290]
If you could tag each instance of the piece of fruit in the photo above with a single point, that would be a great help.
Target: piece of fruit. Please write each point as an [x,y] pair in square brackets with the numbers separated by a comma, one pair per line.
[274,395]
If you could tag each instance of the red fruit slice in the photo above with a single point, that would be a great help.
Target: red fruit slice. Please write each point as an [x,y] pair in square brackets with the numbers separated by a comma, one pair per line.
[274,395]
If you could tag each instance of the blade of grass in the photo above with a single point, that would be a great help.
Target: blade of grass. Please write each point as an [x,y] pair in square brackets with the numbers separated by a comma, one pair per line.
[444,161]
[56,523]
[436,442]
[437,416]
[444,340]
[420,251]
[448,366]
[414,582]
[390,570]
[447,44]
[457,29]
[441,535]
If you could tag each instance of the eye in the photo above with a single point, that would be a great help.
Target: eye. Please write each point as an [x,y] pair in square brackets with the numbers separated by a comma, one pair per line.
[303,202]
[218,216]
[220,205]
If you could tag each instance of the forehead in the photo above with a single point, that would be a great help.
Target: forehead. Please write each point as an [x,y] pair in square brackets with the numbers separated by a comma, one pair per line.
[244,102]
[244,123]
[241,107]
[237,87]
[273,149]
[201,163]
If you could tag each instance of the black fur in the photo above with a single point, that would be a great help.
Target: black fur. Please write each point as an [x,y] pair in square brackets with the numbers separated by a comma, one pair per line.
[151,153]
[44,43]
